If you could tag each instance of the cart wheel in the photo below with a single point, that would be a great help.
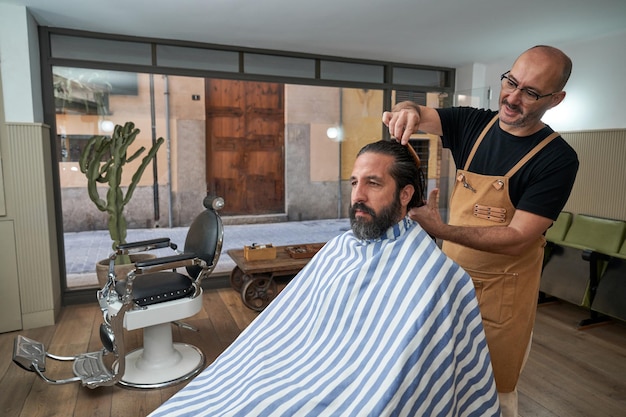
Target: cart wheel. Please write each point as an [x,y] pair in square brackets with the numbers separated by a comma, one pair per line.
[237,278]
[258,291]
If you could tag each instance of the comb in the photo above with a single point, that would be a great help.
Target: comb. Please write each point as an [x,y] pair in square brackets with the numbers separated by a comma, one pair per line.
[414,155]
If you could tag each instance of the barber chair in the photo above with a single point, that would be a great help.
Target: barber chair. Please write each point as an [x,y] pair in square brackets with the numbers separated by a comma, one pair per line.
[150,297]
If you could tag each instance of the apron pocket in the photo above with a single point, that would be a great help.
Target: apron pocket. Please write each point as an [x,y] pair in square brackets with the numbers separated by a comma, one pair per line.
[495,292]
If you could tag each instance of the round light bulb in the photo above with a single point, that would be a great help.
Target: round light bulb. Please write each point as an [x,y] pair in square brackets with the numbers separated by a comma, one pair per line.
[332,133]
[107,126]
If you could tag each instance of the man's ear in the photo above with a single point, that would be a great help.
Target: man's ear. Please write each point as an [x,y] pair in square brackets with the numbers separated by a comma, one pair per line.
[557,99]
[406,194]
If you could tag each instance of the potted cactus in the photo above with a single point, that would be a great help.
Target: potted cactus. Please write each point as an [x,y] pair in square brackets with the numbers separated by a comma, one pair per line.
[102,161]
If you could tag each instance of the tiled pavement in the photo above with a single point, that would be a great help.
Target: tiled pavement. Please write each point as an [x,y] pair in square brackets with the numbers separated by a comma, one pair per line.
[84,249]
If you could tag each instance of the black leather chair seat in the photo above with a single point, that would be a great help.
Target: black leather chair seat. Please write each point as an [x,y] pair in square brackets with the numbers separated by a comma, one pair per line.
[158,287]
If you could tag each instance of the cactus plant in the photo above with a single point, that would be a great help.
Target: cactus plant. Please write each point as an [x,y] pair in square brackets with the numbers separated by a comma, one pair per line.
[109,170]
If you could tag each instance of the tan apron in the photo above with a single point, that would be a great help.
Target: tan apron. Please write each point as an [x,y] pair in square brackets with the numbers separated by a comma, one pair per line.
[506,286]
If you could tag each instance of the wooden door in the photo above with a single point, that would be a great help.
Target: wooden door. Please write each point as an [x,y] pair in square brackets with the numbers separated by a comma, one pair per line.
[245,145]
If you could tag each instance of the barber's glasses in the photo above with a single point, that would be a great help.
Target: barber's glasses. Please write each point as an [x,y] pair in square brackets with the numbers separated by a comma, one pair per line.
[509,85]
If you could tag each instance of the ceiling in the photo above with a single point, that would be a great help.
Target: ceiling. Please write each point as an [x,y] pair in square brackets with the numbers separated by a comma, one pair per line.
[448,33]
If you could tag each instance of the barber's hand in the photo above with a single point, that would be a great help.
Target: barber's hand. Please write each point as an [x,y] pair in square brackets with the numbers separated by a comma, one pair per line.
[428,215]
[403,120]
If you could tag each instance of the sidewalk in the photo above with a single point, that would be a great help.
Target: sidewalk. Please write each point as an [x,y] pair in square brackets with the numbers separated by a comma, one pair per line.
[84,249]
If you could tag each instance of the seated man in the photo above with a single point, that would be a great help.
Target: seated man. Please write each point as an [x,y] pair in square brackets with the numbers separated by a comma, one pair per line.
[378,323]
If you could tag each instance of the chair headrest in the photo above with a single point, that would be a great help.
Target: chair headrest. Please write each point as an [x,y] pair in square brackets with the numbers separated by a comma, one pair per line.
[204,239]
[213,202]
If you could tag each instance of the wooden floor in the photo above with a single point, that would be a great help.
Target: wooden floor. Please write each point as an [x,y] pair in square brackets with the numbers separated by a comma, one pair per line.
[569,372]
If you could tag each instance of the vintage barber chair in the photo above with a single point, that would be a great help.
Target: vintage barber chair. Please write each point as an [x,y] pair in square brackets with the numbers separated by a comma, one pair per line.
[151,297]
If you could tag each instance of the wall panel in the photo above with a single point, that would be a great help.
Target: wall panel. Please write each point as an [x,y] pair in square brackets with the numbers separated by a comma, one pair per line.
[35,230]
[600,187]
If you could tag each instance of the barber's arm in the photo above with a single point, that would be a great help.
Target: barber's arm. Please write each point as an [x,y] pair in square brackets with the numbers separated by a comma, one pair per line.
[525,228]
[406,118]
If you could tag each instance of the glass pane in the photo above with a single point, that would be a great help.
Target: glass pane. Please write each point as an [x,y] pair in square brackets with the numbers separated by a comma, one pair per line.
[345,71]
[278,65]
[92,49]
[421,77]
[477,97]
[88,91]
[196,58]
[361,110]
[325,128]
[91,102]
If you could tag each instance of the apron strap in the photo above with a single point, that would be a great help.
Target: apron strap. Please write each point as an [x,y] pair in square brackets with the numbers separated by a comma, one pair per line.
[480,139]
[532,153]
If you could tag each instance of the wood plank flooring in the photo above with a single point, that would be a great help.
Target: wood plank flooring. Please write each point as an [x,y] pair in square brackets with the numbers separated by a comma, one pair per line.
[569,373]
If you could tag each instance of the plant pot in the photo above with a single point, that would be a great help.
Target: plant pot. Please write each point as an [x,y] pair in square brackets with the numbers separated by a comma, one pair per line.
[102,267]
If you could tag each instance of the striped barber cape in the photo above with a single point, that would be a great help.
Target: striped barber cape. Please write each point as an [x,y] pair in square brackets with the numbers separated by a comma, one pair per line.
[388,327]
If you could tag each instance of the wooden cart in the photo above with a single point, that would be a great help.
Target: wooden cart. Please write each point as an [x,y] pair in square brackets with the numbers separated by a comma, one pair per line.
[255,279]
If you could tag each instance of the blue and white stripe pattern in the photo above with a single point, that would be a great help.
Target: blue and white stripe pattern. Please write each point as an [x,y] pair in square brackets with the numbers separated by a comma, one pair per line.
[389,327]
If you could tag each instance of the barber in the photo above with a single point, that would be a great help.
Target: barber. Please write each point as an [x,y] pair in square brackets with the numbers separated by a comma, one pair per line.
[514,176]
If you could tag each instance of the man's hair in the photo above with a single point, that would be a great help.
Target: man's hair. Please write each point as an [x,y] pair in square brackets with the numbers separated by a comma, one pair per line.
[404,170]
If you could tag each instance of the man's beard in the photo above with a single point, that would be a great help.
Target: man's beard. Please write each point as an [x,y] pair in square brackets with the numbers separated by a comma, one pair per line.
[525,118]
[379,223]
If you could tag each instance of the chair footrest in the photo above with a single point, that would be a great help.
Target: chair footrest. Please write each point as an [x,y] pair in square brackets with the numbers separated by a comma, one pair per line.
[92,371]
[29,354]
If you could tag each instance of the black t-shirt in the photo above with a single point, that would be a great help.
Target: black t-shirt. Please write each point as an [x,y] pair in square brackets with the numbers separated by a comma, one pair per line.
[542,186]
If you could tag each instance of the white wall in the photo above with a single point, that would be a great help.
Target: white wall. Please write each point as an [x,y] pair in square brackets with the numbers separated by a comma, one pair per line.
[595,91]
[19,58]
[29,224]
